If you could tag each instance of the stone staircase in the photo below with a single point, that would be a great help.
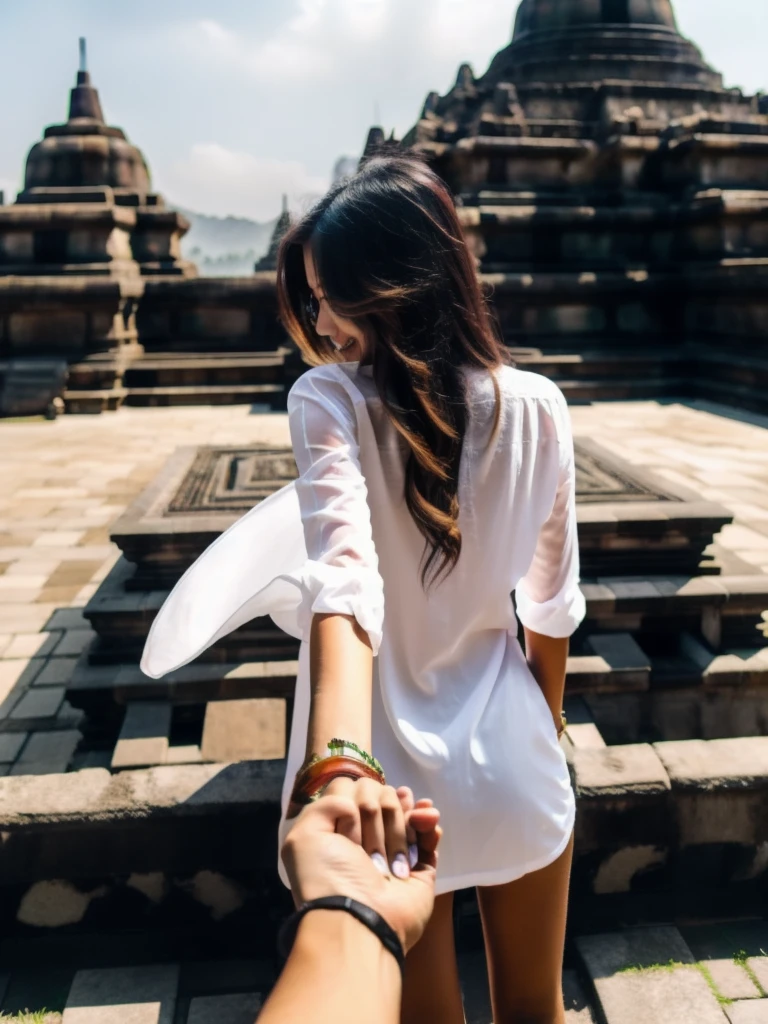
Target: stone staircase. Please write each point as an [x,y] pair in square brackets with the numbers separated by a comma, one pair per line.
[733,375]
[715,974]
[185,378]
[598,372]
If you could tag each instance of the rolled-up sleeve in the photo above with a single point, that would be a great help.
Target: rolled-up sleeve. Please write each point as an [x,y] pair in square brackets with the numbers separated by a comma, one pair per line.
[341,575]
[548,598]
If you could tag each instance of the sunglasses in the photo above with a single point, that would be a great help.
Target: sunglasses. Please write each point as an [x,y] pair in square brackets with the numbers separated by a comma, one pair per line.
[312,309]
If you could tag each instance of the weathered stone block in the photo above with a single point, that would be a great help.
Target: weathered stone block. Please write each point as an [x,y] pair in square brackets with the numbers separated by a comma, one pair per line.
[625,656]
[748,1012]
[10,745]
[619,870]
[46,753]
[716,764]
[43,703]
[759,967]
[620,771]
[128,995]
[143,738]
[636,981]
[731,980]
[244,730]
[232,1009]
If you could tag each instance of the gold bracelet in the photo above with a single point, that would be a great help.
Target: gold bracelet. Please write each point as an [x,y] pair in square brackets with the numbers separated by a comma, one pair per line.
[563,725]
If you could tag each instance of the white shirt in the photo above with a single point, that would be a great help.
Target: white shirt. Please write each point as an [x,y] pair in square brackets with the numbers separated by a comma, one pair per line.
[457,714]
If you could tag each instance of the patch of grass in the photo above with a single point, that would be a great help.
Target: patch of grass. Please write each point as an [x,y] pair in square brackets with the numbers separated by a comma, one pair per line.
[741,958]
[705,973]
[38,1017]
[671,966]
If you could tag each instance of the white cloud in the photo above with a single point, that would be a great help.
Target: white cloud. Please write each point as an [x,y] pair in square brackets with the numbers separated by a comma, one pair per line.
[215,180]
[9,188]
[338,40]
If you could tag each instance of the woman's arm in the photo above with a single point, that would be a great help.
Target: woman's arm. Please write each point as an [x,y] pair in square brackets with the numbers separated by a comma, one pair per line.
[550,604]
[548,657]
[341,669]
[344,590]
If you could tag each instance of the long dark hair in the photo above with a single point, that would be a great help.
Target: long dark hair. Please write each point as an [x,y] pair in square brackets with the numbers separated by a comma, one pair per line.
[390,255]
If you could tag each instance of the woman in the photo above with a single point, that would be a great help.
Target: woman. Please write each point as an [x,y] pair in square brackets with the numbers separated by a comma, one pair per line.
[434,481]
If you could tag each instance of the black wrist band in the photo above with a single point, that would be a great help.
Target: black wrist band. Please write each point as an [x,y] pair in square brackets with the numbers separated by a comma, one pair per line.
[365,915]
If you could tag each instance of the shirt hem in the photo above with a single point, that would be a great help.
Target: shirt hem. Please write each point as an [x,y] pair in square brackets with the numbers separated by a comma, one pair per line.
[510,874]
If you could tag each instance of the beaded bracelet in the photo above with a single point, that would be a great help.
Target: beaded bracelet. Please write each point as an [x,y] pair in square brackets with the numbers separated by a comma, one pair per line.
[312,781]
[337,746]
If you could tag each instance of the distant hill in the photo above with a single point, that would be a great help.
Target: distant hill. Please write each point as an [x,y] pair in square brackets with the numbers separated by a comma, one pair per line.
[225,246]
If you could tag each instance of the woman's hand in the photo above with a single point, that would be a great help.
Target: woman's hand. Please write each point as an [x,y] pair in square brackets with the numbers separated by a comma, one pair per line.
[357,841]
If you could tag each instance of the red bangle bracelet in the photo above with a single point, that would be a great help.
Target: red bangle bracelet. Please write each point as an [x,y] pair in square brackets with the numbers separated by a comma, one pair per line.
[317,776]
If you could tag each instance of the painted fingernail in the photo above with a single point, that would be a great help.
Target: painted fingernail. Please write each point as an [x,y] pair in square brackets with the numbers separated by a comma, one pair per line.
[380,863]
[400,867]
[413,855]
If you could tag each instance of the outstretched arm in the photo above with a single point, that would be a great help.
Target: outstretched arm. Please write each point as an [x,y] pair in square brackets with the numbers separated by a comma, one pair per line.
[338,971]
[341,667]
[344,592]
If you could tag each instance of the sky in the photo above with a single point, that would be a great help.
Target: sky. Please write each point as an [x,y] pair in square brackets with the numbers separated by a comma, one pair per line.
[235,102]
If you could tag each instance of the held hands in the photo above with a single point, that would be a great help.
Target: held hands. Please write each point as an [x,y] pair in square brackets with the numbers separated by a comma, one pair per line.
[360,840]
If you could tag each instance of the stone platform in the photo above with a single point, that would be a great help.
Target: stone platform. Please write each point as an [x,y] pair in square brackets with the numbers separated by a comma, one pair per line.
[672,796]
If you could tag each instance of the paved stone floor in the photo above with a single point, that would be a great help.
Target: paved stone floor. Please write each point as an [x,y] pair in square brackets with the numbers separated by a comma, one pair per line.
[657,975]
[65,482]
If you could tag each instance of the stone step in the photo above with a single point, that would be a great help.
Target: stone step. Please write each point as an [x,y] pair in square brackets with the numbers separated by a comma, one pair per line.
[144,737]
[674,828]
[231,1009]
[648,976]
[102,691]
[627,661]
[128,995]
[624,389]
[208,394]
[742,396]
[201,372]
[649,367]
[726,610]
[582,732]
[207,360]
[94,401]
[231,730]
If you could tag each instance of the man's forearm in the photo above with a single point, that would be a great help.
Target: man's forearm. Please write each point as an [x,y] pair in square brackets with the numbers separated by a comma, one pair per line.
[341,668]
[338,973]
[548,659]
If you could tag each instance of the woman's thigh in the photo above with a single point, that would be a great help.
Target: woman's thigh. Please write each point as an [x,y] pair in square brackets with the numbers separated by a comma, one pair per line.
[431,989]
[524,928]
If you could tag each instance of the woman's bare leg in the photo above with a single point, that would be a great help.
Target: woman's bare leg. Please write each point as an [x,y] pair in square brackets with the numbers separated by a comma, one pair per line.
[431,989]
[524,928]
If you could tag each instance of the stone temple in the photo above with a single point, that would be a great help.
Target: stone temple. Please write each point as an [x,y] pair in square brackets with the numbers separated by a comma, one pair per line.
[613,193]
[97,305]
[612,188]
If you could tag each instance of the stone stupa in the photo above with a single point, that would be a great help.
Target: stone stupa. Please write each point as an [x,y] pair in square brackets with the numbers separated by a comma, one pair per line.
[615,195]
